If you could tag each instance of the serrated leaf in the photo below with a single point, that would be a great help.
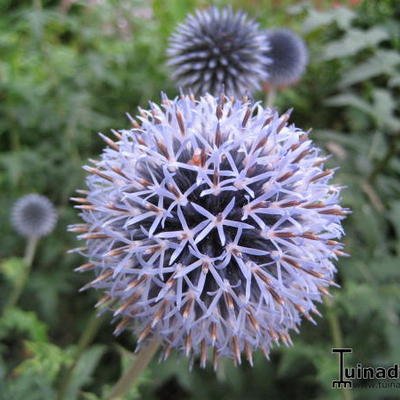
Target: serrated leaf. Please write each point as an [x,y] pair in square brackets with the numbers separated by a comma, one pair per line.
[394,81]
[46,360]
[382,62]
[394,215]
[353,41]
[384,109]
[84,369]
[381,110]
[316,19]
[349,99]
[25,322]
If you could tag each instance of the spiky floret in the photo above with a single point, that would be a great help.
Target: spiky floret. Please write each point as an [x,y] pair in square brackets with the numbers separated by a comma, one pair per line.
[215,50]
[289,56]
[33,215]
[211,224]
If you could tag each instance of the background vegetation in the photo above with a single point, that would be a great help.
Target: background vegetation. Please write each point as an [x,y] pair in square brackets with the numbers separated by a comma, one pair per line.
[69,69]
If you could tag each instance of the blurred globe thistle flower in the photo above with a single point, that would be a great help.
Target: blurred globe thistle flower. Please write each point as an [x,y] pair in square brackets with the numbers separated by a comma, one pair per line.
[33,215]
[211,225]
[218,50]
[289,56]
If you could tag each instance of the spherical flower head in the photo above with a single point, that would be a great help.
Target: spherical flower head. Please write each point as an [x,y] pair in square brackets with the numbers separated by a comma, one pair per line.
[33,215]
[216,50]
[211,225]
[289,56]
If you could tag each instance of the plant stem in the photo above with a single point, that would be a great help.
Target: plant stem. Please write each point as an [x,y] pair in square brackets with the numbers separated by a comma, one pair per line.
[138,365]
[270,97]
[37,4]
[30,251]
[337,336]
[65,5]
[335,326]
[86,338]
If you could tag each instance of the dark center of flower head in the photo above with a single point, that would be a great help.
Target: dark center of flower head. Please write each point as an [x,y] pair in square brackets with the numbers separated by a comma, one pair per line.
[35,213]
[213,216]
[215,222]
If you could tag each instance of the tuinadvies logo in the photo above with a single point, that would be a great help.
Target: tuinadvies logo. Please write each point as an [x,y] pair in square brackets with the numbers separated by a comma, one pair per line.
[347,375]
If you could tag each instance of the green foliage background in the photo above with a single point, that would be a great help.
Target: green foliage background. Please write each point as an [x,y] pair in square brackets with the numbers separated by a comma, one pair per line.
[69,69]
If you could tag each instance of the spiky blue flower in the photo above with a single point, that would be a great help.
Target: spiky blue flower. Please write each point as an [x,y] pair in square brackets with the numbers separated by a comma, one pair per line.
[33,215]
[215,50]
[289,56]
[211,224]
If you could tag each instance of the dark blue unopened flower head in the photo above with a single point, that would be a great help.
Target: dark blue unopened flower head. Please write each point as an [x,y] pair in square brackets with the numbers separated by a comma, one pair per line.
[211,224]
[289,56]
[215,50]
[33,215]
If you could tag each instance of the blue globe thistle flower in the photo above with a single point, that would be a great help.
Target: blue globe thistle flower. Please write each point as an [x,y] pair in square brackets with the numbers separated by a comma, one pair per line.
[289,56]
[211,224]
[33,215]
[218,50]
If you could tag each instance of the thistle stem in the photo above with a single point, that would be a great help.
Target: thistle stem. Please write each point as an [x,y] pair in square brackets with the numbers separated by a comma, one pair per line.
[37,4]
[270,97]
[30,251]
[138,365]
[337,337]
[86,338]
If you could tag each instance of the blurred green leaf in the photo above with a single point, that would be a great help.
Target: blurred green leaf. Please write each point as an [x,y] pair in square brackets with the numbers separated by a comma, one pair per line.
[317,19]
[23,322]
[353,41]
[12,268]
[83,370]
[382,62]
[381,110]
[384,109]
[394,81]
[46,359]
[89,396]
[349,99]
